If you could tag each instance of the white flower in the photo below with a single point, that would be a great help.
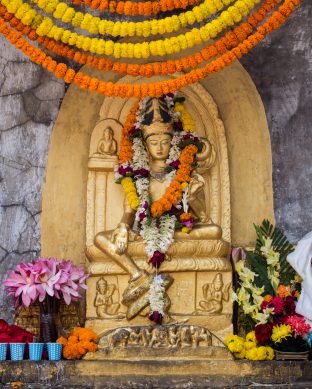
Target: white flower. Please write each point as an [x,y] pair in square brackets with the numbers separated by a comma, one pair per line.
[156,295]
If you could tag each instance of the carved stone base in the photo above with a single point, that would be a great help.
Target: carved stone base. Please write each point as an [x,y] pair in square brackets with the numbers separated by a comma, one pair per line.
[198,298]
[172,341]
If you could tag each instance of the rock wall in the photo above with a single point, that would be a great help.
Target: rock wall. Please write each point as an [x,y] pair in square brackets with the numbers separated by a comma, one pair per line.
[281,68]
[29,104]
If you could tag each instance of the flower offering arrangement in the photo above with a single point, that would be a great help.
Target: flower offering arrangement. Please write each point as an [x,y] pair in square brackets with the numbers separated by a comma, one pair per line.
[78,343]
[46,281]
[267,293]
[45,277]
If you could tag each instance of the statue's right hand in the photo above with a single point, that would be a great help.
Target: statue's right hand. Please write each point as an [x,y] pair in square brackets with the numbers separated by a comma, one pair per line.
[120,238]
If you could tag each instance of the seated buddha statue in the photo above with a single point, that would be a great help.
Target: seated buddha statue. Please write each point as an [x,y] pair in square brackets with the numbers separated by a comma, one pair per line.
[157,136]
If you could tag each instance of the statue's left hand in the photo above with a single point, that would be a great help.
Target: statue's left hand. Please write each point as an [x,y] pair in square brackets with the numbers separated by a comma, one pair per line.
[120,238]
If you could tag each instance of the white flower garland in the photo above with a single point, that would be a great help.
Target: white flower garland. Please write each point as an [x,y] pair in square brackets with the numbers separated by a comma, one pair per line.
[156,295]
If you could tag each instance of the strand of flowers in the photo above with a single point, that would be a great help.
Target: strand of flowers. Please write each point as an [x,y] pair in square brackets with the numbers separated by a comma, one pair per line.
[150,89]
[125,154]
[173,193]
[156,298]
[171,45]
[272,258]
[95,25]
[130,8]
[231,39]
[248,295]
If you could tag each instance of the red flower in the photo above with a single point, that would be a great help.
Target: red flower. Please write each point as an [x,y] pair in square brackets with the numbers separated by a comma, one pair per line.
[278,305]
[263,332]
[156,317]
[280,319]
[157,258]
[289,305]
[3,326]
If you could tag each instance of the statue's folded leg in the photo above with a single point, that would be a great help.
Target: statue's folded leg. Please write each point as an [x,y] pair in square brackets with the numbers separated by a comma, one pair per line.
[103,243]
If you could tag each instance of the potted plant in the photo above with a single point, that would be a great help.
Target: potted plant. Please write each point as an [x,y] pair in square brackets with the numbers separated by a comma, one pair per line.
[46,281]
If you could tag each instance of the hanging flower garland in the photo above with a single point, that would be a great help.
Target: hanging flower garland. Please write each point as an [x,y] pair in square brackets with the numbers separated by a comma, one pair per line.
[95,25]
[230,40]
[131,50]
[150,89]
[131,8]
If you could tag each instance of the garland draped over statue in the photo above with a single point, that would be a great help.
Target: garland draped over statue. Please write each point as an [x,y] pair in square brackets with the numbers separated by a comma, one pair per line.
[236,26]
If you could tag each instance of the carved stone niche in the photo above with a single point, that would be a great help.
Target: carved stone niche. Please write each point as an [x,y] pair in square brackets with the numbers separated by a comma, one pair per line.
[201,270]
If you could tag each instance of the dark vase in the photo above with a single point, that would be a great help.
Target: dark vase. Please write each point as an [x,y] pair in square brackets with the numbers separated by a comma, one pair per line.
[49,310]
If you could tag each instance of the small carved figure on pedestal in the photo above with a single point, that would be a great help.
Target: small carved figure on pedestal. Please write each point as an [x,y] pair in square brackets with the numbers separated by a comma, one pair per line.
[104,303]
[214,294]
[107,145]
[173,337]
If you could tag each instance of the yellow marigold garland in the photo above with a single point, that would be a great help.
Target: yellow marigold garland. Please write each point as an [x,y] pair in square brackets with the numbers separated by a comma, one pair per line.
[131,193]
[95,25]
[186,118]
[150,89]
[127,7]
[131,50]
[228,41]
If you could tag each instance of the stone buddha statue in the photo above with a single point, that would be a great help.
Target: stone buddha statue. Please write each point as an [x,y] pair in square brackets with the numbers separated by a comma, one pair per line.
[157,135]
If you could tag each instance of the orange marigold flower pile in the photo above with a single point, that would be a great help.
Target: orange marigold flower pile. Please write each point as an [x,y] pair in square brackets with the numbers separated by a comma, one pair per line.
[79,342]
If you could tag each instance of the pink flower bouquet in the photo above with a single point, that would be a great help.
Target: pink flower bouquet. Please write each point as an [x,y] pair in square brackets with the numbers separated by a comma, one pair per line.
[43,279]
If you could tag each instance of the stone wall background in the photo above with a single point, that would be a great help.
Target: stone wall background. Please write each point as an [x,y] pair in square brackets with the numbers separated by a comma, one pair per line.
[281,68]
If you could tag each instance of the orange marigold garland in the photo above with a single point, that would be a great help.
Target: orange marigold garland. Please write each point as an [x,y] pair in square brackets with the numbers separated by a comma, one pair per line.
[153,89]
[79,342]
[173,193]
[230,40]
[132,8]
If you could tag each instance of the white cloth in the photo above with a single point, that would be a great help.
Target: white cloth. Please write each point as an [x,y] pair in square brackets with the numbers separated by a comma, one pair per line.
[301,260]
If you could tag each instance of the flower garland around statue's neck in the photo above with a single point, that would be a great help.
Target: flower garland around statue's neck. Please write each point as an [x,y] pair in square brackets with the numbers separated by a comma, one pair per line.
[157,221]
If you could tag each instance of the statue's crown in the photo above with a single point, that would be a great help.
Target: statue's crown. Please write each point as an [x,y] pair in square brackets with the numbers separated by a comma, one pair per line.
[157,118]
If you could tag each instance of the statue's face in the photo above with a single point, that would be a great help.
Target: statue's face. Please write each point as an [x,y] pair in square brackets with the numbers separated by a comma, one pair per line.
[218,286]
[158,146]
[102,288]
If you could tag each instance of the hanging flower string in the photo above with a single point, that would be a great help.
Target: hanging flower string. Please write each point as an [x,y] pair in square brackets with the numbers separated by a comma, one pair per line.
[230,40]
[132,8]
[150,89]
[171,45]
[95,25]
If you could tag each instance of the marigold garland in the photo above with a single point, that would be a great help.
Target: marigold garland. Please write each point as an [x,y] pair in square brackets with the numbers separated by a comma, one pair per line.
[131,193]
[125,153]
[95,25]
[130,8]
[173,193]
[79,342]
[131,50]
[186,118]
[150,89]
[231,39]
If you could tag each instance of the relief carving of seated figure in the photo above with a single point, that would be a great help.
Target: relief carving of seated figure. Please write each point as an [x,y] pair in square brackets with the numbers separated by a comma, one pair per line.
[107,146]
[157,140]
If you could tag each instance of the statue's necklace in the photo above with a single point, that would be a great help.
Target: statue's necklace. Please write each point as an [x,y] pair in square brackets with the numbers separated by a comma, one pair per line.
[158,176]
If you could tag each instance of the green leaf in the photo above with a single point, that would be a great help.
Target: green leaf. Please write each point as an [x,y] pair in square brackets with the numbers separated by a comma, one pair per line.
[280,244]
[259,266]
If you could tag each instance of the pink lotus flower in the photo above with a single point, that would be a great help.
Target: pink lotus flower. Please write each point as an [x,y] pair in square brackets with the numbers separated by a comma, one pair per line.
[35,281]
